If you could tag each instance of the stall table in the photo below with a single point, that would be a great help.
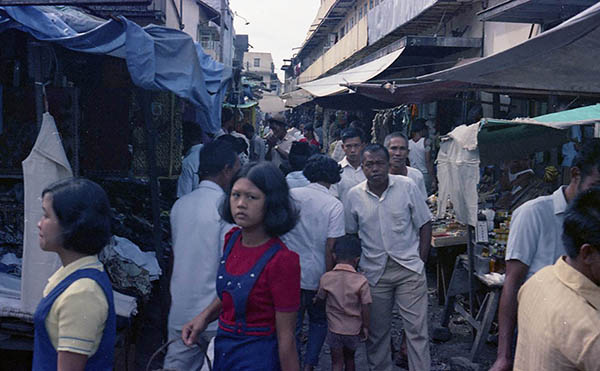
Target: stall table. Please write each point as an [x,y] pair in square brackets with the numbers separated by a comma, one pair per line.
[448,248]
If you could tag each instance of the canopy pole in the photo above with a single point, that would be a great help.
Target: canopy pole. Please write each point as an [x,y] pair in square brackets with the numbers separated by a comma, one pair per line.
[150,136]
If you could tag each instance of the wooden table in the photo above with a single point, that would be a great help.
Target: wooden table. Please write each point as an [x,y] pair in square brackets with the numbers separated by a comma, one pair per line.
[481,321]
[448,248]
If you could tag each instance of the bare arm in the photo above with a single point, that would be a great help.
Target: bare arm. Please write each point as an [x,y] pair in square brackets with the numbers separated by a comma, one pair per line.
[285,325]
[329,263]
[196,326]
[69,361]
[365,320]
[425,241]
[516,271]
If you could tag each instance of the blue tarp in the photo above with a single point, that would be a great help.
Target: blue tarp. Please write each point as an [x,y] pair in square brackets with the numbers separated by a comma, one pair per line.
[158,58]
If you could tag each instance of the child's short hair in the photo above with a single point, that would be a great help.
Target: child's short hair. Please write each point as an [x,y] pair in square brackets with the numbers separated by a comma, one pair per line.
[347,248]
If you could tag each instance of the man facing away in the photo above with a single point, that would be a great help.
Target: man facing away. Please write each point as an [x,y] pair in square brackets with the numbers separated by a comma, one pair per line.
[559,307]
[394,224]
[353,142]
[188,179]
[397,145]
[321,222]
[198,232]
[257,147]
[535,241]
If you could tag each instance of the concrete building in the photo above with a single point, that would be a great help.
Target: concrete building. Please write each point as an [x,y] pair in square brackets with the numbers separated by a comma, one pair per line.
[262,65]
[202,20]
[349,33]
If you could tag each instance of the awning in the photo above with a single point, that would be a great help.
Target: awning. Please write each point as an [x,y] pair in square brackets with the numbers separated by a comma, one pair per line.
[534,11]
[410,93]
[213,14]
[563,59]
[158,58]
[296,98]
[513,139]
[331,84]
[271,104]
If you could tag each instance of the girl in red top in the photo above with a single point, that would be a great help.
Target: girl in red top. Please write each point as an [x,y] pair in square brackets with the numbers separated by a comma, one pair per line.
[258,282]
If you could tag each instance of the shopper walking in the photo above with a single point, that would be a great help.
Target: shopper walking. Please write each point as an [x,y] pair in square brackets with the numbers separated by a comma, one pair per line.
[394,223]
[258,280]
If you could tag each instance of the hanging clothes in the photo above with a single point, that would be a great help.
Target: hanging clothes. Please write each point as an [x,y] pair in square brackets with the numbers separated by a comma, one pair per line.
[46,164]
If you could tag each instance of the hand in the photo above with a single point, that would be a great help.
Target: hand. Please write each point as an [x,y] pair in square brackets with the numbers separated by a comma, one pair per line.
[192,329]
[365,334]
[502,364]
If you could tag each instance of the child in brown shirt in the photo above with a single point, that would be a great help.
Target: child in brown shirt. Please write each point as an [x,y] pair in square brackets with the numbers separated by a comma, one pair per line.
[348,298]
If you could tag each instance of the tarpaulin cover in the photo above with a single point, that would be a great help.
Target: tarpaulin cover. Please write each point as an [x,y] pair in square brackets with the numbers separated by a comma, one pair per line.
[271,104]
[424,92]
[565,58]
[503,139]
[158,58]
[331,84]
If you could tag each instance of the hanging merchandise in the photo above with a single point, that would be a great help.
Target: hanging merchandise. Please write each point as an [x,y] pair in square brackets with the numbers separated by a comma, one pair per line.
[391,120]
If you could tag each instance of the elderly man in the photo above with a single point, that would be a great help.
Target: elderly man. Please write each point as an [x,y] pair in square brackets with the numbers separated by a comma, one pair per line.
[397,145]
[394,224]
[559,307]
[535,241]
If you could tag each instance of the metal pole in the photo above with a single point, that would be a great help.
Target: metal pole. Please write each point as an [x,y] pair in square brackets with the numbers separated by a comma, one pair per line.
[222,30]
[471,269]
[35,55]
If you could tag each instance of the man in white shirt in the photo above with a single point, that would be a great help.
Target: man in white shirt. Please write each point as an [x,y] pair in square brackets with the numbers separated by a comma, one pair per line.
[394,224]
[420,152]
[353,142]
[535,241]
[188,179]
[198,232]
[321,222]
[299,154]
[397,145]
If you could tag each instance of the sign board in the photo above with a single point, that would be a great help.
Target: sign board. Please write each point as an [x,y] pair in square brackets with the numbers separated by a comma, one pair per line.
[72,2]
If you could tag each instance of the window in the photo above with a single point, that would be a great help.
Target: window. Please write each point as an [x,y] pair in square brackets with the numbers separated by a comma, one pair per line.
[370,4]
[366,8]
[256,62]
[360,12]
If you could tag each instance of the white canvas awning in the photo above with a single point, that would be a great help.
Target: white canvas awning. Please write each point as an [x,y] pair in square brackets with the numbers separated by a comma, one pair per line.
[563,59]
[331,84]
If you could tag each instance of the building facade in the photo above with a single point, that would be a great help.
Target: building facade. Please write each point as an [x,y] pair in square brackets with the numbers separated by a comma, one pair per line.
[261,64]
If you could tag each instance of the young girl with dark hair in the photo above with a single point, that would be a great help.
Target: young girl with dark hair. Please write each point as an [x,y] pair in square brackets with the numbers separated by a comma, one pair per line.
[75,322]
[258,282]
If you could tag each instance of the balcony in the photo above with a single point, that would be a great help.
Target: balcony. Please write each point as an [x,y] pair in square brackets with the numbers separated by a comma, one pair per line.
[353,41]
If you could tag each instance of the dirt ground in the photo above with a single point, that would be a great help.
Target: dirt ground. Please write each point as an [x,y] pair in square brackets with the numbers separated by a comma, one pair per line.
[441,352]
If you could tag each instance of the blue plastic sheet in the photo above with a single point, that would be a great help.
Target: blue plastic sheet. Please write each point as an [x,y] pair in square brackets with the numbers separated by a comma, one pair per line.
[158,58]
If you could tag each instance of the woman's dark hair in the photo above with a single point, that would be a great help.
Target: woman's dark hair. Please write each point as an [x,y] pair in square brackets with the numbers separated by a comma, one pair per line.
[83,212]
[582,222]
[347,248]
[280,214]
[321,168]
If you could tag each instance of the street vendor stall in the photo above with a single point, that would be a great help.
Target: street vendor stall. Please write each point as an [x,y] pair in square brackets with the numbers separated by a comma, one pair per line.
[462,152]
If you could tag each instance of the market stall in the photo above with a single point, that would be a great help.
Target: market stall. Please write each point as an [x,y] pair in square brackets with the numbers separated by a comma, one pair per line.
[487,220]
